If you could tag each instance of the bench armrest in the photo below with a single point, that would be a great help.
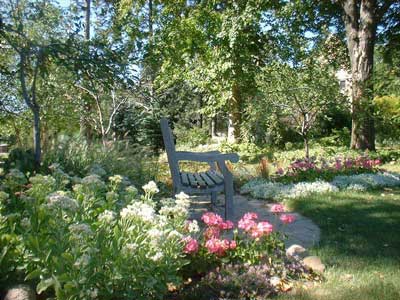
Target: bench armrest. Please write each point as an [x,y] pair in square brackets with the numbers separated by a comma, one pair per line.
[212,156]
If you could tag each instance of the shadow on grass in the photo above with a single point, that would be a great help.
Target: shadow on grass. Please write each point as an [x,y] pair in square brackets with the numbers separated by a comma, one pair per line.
[358,227]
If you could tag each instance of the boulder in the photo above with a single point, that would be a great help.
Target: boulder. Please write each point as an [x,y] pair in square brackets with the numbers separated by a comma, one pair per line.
[20,292]
[314,263]
[296,252]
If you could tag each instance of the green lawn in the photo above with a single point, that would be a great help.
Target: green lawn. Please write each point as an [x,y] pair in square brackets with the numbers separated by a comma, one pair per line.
[360,245]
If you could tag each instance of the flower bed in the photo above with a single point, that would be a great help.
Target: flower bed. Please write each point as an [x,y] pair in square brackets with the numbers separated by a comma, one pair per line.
[322,169]
[89,238]
[260,188]
[92,239]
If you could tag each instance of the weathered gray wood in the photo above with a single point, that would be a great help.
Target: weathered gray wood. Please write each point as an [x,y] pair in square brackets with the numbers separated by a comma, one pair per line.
[210,182]
[207,179]
[185,179]
[202,184]
[192,180]
[213,175]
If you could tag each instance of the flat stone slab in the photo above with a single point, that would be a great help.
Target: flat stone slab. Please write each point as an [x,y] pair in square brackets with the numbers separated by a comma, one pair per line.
[302,231]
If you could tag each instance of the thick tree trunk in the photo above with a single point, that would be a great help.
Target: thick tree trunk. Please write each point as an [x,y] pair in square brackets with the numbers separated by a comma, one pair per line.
[235,115]
[360,23]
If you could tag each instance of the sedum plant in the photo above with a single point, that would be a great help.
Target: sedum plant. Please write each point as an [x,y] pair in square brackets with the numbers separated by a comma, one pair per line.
[97,239]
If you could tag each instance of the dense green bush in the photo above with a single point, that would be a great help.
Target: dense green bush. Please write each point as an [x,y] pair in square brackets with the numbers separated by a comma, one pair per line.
[191,136]
[99,239]
[77,157]
[22,159]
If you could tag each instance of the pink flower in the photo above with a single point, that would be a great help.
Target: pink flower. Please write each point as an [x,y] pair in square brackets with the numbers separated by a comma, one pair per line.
[212,232]
[217,246]
[377,161]
[246,224]
[211,219]
[232,245]
[280,171]
[191,245]
[226,225]
[286,219]
[262,228]
[250,216]
[277,208]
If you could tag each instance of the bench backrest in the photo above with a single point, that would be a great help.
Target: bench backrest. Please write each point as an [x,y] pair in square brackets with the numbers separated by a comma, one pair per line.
[171,153]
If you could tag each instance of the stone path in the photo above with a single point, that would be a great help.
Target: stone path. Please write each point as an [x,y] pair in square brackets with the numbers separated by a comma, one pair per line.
[302,232]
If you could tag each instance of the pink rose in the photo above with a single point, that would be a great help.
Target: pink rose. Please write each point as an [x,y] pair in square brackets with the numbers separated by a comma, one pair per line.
[277,208]
[191,245]
[286,219]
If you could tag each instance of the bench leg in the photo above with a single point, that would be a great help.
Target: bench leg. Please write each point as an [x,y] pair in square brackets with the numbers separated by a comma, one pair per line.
[229,198]
[214,198]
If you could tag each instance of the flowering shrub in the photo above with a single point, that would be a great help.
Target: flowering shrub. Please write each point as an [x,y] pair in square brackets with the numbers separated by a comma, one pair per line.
[312,169]
[251,241]
[97,240]
[249,260]
[275,190]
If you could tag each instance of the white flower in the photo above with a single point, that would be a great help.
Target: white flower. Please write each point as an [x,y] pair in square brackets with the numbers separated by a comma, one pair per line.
[94,181]
[138,210]
[156,257]
[182,200]
[82,261]
[154,233]
[61,201]
[175,234]
[130,247]
[107,216]
[193,226]
[94,293]
[25,223]
[151,188]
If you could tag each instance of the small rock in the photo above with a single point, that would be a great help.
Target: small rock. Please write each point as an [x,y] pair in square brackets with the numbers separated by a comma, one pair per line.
[296,252]
[20,292]
[314,263]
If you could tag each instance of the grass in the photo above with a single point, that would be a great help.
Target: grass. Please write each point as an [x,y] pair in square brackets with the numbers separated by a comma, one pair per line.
[360,245]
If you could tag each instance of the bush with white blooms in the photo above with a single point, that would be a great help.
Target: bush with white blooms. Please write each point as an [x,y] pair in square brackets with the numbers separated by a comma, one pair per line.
[93,239]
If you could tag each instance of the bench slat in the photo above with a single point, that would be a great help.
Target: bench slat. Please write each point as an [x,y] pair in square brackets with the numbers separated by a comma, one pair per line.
[200,181]
[185,179]
[192,180]
[215,177]
[207,179]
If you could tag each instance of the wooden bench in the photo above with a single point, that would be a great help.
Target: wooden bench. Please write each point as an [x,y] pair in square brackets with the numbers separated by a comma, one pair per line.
[211,182]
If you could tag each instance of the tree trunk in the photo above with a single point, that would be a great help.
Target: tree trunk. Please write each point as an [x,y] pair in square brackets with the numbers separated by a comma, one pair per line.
[213,127]
[36,136]
[235,116]
[306,147]
[360,23]
[86,130]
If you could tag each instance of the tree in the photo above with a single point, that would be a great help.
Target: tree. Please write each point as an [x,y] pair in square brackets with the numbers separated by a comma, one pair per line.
[298,95]
[361,19]
[32,39]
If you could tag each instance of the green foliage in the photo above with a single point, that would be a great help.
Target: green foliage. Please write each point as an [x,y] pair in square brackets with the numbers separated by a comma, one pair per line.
[98,239]
[191,137]
[78,158]
[387,110]
[21,159]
